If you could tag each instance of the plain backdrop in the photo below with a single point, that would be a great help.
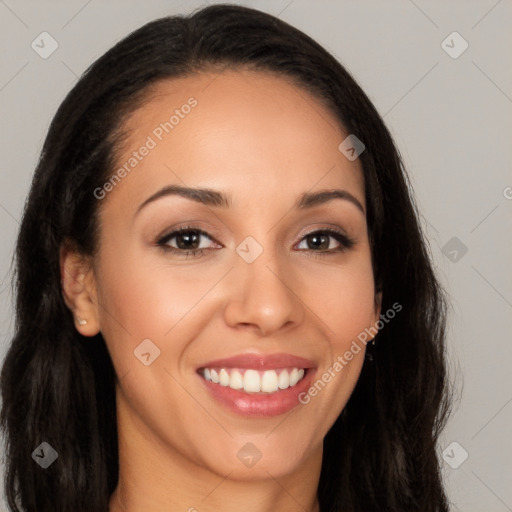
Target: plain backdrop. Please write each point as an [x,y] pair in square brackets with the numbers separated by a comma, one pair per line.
[450,115]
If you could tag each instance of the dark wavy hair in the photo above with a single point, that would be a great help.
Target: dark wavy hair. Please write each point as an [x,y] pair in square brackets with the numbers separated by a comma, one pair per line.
[59,387]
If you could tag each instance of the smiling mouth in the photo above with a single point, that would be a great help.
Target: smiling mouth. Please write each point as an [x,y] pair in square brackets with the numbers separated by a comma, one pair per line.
[254,381]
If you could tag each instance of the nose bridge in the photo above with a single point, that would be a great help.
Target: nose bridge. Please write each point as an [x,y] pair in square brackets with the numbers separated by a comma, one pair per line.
[262,295]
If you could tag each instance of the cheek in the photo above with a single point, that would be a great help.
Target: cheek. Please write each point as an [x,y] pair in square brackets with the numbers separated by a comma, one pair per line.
[344,301]
[142,297]
[147,297]
[343,298]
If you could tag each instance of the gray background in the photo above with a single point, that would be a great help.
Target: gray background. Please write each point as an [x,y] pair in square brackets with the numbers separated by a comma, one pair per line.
[451,119]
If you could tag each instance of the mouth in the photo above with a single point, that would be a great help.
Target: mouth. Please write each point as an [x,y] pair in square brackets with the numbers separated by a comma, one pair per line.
[254,381]
[257,385]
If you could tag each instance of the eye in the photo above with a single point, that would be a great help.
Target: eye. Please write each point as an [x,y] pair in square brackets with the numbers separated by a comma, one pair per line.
[185,241]
[320,242]
[188,241]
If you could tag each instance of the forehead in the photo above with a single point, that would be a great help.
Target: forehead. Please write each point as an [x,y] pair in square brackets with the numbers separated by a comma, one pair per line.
[248,129]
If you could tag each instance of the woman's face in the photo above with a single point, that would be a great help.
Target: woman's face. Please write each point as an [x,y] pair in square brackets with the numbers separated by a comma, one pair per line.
[270,286]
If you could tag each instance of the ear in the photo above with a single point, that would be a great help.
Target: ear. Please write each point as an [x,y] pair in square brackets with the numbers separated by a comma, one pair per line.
[78,286]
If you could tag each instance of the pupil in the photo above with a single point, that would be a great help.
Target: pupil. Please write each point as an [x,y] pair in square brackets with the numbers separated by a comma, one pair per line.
[183,239]
[319,241]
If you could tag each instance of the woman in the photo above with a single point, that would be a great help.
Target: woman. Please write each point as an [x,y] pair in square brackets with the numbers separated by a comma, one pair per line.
[224,298]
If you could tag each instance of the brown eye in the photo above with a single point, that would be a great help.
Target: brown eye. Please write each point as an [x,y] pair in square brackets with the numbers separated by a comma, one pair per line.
[185,241]
[320,241]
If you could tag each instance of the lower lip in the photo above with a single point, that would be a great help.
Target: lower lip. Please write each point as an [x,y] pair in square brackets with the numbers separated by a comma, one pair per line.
[260,404]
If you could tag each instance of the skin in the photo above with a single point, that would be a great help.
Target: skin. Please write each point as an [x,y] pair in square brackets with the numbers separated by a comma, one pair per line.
[263,142]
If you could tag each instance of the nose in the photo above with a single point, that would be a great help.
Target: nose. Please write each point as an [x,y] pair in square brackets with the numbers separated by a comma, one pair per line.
[262,296]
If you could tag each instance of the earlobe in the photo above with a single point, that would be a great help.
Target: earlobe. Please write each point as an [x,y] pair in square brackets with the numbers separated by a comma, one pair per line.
[79,289]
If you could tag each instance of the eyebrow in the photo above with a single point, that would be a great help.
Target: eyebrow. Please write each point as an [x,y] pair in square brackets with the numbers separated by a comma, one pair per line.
[210,197]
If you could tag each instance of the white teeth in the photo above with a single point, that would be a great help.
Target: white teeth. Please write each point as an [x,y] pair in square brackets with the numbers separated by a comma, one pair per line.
[237,380]
[284,380]
[269,382]
[295,376]
[223,377]
[254,381]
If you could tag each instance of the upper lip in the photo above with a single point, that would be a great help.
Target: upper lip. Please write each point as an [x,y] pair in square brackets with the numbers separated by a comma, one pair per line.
[261,362]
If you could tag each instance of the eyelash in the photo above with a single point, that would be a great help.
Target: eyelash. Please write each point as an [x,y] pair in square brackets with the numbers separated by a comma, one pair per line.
[344,241]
